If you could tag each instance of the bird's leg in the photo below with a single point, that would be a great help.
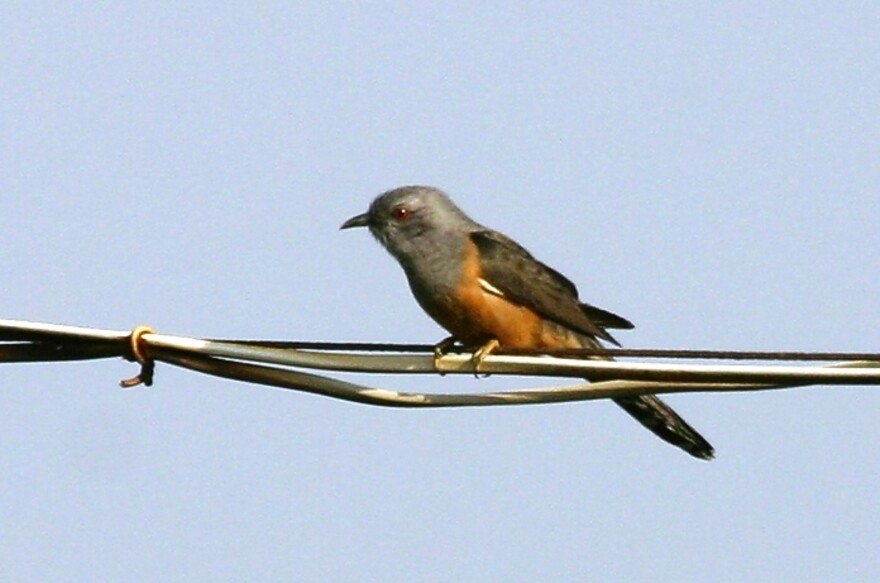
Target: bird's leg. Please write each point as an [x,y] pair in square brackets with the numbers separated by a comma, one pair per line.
[441,348]
[482,352]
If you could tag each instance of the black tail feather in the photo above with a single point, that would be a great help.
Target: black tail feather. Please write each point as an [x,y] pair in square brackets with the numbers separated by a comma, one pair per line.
[666,424]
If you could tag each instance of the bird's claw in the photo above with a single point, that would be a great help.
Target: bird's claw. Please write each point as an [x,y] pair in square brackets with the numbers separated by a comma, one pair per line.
[444,346]
[481,353]
[441,349]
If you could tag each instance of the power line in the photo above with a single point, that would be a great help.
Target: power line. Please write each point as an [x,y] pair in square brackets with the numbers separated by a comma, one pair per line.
[280,364]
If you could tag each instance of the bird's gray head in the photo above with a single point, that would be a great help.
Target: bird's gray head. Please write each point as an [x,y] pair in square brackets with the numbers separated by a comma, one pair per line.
[407,219]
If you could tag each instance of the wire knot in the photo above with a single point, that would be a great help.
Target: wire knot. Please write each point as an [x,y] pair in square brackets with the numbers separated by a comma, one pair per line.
[138,353]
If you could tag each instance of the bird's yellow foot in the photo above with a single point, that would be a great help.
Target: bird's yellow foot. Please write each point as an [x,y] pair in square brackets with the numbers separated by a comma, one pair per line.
[441,348]
[482,352]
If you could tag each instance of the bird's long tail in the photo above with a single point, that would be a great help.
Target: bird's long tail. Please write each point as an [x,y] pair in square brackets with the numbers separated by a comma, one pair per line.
[666,424]
[648,410]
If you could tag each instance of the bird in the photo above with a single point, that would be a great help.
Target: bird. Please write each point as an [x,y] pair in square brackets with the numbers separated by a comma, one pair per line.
[490,293]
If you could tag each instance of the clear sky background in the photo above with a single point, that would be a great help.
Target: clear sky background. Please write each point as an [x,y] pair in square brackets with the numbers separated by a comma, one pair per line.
[708,170]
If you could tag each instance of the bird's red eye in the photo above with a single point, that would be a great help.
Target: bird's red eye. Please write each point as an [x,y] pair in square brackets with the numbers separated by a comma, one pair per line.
[400,213]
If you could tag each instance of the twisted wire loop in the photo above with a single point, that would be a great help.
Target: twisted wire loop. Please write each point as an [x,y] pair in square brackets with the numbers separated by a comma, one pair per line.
[137,352]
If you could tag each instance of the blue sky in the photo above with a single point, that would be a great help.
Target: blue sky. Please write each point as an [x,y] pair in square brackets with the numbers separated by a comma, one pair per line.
[709,171]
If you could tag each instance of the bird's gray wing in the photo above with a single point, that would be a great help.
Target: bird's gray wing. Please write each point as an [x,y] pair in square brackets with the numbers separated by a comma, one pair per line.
[606,319]
[511,269]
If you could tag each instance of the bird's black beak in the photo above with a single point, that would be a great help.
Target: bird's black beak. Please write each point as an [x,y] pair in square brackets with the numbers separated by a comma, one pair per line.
[357,221]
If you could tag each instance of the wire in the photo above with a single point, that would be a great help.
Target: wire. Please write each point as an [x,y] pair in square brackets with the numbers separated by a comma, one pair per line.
[794,356]
[275,363]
